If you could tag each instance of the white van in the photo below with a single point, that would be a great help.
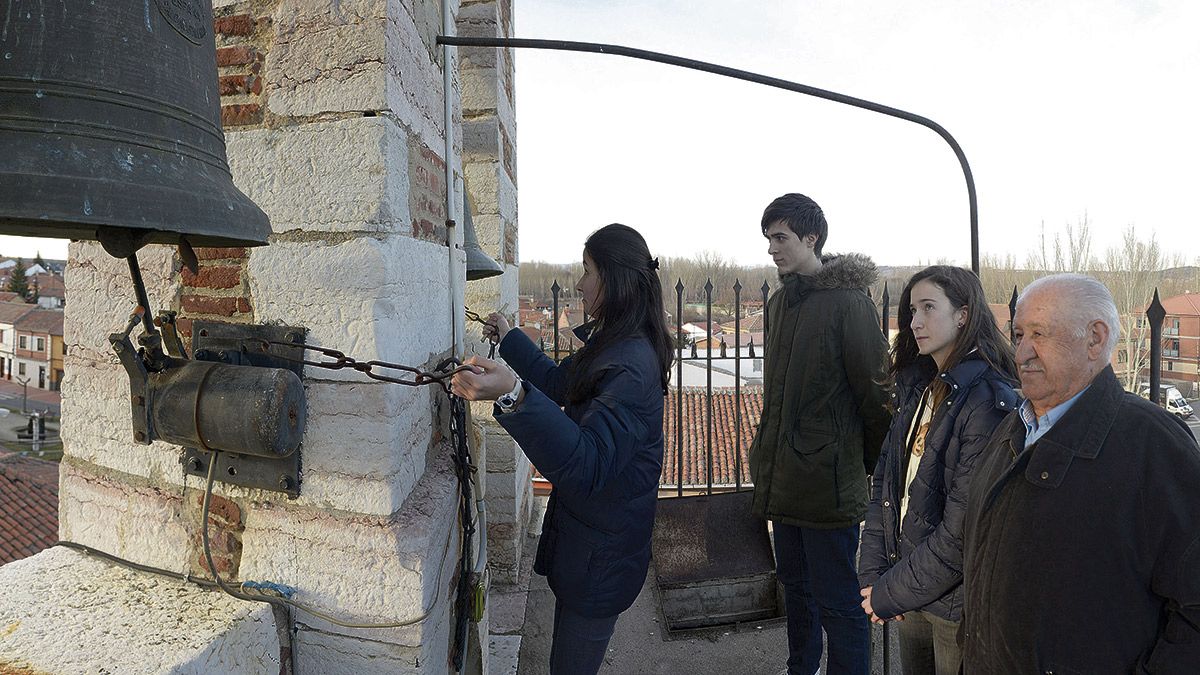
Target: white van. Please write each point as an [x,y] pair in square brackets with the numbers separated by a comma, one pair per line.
[1169,398]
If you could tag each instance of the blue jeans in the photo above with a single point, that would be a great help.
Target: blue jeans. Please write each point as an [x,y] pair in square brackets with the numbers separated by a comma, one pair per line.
[820,590]
[579,642]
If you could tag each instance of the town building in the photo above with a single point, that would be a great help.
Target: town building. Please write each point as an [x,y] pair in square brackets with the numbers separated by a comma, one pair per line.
[1181,344]
[10,314]
[39,348]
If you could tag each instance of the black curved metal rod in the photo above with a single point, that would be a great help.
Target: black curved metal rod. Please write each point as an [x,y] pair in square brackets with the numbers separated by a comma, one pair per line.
[658,57]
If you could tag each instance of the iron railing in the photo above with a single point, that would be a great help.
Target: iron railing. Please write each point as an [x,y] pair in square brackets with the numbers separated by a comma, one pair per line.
[717,418]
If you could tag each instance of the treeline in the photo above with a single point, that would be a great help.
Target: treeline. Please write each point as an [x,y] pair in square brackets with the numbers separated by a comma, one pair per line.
[537,278]
[1132,270]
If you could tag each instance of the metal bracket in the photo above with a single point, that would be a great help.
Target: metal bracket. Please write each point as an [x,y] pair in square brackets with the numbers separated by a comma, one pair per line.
[227,343]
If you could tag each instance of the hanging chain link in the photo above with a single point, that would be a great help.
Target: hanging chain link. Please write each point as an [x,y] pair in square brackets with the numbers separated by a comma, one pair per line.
[337,360]
[460,452]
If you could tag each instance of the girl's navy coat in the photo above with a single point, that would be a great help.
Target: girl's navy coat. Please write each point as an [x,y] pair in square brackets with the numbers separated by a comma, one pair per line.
[604,456]
[918,564]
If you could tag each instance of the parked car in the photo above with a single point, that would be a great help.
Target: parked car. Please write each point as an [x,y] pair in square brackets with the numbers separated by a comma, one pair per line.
[1169,398]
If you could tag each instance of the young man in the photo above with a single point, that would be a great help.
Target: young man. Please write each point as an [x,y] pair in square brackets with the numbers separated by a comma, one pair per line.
[822,426]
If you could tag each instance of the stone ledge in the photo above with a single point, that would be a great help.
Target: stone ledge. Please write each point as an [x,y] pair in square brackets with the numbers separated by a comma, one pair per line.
[62,611]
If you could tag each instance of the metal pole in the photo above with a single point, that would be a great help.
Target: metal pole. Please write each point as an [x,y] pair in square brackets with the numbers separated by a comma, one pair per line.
[708,402]
[737,385]
[453,233]
[658,57]
[24,382]
[679,387]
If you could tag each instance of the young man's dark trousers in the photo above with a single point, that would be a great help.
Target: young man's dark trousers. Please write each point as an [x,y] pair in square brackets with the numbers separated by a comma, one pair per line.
[820,583]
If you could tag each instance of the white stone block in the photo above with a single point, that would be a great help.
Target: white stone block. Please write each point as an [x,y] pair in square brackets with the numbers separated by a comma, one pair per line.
[502,449]
[505,652]
[505,486]
[138,522]
[102,296]
[373,299]
[320,653]
[362,568]
[346,175]
[492,189]
[97,422]
[64,612]
[365,444]
[480,90]
[414,85]
[327,58]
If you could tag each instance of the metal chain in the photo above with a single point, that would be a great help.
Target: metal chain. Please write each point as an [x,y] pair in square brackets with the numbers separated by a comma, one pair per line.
[339,360]
[461,454]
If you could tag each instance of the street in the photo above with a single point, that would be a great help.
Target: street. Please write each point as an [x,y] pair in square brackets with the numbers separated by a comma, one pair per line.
[1194,423]
[11,395]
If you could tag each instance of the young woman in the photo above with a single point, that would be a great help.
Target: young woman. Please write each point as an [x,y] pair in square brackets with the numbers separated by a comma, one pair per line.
[602,450]
[953,374]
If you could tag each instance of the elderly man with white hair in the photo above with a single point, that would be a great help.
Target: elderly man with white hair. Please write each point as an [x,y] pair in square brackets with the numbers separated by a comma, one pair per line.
[1082,551]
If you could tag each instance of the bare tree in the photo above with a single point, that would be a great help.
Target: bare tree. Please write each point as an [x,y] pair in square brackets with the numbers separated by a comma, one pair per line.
[1132,271]
[1001,275]
[1072,255]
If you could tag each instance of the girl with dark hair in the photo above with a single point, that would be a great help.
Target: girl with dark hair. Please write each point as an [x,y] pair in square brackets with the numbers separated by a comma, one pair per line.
[602,450]
[953,374]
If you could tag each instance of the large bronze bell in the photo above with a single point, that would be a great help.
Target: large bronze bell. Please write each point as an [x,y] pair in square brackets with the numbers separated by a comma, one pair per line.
[110,126]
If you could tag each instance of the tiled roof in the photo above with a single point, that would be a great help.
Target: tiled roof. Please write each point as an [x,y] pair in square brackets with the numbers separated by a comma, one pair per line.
[28,506]
[725,433]
[11,311]
[48,285]
[9,296]
[1187,304]
[695,433]
[48,321]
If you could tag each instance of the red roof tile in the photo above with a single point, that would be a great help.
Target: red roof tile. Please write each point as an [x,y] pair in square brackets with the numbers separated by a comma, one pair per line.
[28,506]
[1187,304]
[725,436]
[46,321]
[729,440]
[11,311]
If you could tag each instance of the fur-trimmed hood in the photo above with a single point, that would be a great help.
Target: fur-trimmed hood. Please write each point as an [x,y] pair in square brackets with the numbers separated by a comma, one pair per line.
[852,271]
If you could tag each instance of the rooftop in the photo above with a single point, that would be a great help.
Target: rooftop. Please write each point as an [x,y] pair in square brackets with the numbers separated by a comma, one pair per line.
[729,439]
[48,321]
[11,311]
[28,506]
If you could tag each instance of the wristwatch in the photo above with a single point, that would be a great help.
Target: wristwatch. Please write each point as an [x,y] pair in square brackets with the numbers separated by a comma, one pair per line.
[508,402]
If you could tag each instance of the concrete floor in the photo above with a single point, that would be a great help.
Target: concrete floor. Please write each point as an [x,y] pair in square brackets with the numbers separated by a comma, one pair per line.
[522,618]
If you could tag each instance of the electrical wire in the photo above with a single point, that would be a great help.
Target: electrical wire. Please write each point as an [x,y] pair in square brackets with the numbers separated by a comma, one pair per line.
[250,591]
[262,592]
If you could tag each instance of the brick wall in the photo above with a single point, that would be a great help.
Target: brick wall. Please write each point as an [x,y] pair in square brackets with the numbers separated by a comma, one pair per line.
[243,35]
[218,291]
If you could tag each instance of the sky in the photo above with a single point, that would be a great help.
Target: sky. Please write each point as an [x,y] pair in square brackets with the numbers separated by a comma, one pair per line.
[1065,109]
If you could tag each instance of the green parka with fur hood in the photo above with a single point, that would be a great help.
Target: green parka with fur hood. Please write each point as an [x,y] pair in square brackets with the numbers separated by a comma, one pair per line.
[824,415]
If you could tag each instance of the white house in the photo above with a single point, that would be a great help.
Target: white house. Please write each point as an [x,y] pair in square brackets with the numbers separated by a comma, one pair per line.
[10,314]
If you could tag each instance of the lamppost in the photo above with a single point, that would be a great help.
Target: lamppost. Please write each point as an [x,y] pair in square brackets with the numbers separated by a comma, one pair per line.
[24,382]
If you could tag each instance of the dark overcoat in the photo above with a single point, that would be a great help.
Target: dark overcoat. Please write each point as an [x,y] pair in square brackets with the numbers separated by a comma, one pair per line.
[824,411]
[1083,551]
[603,456]
[917,563]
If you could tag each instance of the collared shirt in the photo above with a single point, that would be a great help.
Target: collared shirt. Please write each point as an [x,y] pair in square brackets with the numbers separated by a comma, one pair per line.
[1036,427]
